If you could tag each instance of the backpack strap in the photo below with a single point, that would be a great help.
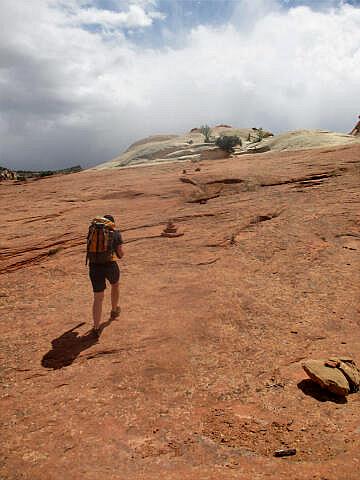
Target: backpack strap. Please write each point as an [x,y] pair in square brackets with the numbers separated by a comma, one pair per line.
[87,246]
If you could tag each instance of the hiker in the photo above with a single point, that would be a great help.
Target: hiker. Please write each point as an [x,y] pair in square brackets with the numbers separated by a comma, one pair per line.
[356,130]
[104,246]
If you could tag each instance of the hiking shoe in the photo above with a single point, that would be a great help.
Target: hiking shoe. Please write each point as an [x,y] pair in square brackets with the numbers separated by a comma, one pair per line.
[115,313]
[96,332]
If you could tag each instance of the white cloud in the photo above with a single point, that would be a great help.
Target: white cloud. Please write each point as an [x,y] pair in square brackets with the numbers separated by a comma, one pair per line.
[69,95]
[135,16]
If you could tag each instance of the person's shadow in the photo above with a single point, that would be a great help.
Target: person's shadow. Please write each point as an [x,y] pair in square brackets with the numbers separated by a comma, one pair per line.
[66,348]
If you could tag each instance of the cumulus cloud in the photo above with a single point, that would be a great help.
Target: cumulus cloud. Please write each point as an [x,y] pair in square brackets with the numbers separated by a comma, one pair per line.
[136,16]
[73,94]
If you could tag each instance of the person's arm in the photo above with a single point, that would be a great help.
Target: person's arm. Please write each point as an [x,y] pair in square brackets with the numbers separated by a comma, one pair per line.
[118,244]
[119,251]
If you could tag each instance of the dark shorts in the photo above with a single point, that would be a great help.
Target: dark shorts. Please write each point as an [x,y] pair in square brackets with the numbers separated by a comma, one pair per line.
[99,273]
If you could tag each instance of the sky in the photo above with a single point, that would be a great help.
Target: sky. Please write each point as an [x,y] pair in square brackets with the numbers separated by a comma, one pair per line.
[80,80]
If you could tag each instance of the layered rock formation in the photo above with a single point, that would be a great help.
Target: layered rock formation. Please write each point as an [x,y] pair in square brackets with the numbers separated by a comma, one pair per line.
[7,174]
[170,148]
[299,140]
[191,146]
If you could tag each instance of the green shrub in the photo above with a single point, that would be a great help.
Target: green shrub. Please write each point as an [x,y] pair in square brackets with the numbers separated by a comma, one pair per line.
[206,131]
[228,142]
[260,134]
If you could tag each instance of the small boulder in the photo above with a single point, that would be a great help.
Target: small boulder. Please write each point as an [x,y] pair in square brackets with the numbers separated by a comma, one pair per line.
[328,377]
[348,367]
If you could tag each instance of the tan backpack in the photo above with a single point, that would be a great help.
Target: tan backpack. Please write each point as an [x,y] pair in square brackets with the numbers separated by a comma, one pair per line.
[100,240]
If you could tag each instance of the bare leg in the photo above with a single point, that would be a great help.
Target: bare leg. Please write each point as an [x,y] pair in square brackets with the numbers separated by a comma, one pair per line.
[97,308]
[115,294]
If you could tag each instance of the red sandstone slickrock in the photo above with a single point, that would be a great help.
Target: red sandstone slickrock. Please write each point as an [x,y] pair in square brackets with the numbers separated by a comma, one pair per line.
[200,376]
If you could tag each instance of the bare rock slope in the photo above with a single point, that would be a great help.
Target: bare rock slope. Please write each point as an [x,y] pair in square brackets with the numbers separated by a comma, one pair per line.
[191,146]
[201,375]
[301,140]
[169,148]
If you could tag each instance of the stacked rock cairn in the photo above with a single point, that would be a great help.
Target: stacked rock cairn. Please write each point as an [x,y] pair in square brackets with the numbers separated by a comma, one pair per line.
[171,230]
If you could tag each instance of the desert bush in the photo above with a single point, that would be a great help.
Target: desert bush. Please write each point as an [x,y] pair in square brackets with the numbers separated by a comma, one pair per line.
[260,134]
[228,142]
[206,131]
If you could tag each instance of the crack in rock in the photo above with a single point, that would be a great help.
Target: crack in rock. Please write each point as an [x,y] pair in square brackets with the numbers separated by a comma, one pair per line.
[314,177]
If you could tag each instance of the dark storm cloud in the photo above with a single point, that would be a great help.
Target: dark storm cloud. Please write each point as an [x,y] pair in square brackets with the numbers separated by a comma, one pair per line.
[71,93]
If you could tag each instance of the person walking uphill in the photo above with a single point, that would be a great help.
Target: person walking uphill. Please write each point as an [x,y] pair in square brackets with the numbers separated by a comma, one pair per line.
[356,130]
[104,246]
